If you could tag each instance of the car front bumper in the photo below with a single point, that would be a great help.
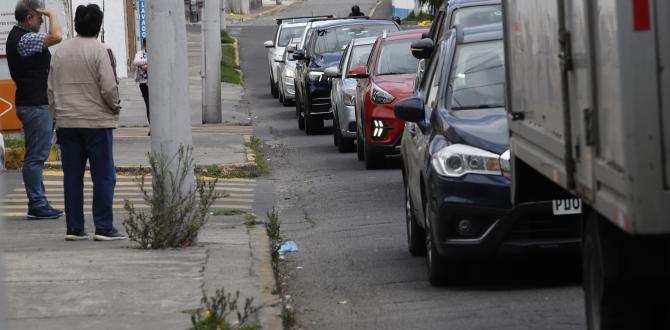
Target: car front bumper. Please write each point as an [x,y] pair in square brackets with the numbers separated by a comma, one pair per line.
[497,227]
[289,87]
[346,115]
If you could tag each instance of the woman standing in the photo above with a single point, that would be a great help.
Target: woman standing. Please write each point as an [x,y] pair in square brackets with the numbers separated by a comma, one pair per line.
[141,75]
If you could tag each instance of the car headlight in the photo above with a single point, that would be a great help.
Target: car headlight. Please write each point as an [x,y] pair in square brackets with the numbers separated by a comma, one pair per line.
[380,96]
[349,97]
[289,73]
[315,75]
[458,159]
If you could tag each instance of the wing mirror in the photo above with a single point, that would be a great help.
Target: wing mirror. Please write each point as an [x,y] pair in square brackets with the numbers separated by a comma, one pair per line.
[269,44]
[331,72]
[425,35]
[422,49]
[290,48]
[358,72]
[279,60]
[299,54]
[410,109]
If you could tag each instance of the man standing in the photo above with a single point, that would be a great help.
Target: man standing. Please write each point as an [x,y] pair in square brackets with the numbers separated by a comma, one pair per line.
[84,98]
[28,57]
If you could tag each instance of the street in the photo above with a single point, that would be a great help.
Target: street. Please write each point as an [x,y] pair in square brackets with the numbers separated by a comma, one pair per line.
[353,269]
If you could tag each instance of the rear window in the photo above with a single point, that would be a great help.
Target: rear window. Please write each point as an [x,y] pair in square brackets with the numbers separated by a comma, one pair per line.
[287,34]
[475,16]
[335,39]
[477,77]
[395,57]
[359,55]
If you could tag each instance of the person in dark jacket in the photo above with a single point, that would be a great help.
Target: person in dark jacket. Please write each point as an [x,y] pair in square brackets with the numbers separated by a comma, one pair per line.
[355,11]
[28,57]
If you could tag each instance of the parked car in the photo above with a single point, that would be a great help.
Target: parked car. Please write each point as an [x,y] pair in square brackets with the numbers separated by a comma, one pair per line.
[464,13]
[343,92]
[323,48]
[454,150]
[2,153]
[288,28]
[286,73]
[387,77]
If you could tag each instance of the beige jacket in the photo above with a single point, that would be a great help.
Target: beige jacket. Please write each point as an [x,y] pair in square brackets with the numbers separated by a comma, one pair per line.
[83,92]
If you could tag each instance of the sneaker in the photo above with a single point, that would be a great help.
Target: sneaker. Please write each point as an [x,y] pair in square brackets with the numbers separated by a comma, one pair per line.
[43,213]
[76,234]
[55,210]
[108,235]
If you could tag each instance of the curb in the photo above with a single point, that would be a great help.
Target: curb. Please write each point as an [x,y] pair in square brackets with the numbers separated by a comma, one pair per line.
[270,315]
[14,157]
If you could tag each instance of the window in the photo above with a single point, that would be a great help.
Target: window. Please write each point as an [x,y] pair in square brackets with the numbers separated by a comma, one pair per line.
[433,76]
[359,56]
[477,15]
[396,57]
[477,78]
[287,34]
[333,40]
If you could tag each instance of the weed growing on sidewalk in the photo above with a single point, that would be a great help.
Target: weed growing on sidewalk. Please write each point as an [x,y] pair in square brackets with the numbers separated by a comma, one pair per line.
[215,311]
[176,215]
[256,147]
[14,142]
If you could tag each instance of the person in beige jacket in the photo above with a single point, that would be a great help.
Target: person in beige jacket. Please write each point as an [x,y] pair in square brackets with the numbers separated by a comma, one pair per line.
[84,99]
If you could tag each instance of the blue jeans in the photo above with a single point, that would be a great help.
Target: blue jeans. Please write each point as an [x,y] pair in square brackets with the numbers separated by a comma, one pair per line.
[95,145]
[38,130]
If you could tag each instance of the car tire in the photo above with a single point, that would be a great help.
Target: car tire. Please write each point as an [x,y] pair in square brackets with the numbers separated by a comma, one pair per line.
[345,145]
[273,88]
[436,264]
[285,101]
[301,122]
[416,236]
[360,148]
[313,125]
[373,160]
[281,96]
[336,130]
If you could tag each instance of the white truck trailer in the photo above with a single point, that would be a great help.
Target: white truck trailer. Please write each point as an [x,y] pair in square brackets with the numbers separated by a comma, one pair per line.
[588,96]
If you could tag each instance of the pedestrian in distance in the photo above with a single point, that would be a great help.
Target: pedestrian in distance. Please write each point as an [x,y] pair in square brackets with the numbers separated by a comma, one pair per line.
[84,97]
[28,58]
[142,75]
[356,11]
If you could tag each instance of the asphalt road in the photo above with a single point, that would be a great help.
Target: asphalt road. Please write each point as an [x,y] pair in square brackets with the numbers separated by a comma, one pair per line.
[353,270]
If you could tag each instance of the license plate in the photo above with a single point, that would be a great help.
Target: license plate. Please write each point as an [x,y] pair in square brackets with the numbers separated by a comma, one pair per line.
[567,206]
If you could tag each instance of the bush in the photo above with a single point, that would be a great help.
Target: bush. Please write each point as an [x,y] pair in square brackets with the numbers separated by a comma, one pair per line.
[175,216]
[216,310]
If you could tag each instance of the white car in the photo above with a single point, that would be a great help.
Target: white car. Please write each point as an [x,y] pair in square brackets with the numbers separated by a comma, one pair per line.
[289,28]
[286,70]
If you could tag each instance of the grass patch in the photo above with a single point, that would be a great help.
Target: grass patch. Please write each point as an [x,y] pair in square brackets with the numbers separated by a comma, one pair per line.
[230,71]
[14,142]
[229,212]
[257,148]
[226,39]
[227,172]
[250,219]
[413,19]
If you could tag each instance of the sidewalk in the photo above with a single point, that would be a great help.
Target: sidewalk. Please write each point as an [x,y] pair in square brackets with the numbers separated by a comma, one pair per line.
[54,284]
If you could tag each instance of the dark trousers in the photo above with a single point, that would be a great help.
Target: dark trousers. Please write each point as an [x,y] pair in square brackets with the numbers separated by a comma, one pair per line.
[144,88]
[95,145]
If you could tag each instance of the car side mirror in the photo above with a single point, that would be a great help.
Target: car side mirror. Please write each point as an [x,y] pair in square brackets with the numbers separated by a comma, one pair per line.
[423,48]
[290,48]
[410,109]
[425,35]
[299,55]
[331,72]
[269,44]
[358,72]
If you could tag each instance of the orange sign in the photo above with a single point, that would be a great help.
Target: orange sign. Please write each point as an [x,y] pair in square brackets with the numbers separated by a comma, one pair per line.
[8,119]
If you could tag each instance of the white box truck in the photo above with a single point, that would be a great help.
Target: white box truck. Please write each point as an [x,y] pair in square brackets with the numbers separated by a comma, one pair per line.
[588,96]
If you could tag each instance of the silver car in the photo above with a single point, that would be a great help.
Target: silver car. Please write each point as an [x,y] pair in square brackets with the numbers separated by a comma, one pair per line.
[286,73]
[285,33]
[343,92]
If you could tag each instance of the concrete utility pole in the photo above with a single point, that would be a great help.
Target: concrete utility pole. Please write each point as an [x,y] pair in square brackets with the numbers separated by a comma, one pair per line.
[211,69]
[223,15]
[168,80]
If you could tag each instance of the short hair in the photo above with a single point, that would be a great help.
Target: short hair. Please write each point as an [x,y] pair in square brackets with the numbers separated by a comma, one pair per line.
[26,7]
[88,20]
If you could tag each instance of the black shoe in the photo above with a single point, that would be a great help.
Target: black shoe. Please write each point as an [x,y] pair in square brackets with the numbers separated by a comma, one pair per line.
[43,213]
[55,210]
[76,234]
[108,235]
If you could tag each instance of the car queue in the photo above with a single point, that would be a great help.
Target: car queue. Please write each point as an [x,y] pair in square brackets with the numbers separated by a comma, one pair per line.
[436,98]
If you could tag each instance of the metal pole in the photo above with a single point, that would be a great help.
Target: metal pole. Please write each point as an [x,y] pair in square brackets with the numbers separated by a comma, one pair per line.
[211,48]
[168,81]
[223,15]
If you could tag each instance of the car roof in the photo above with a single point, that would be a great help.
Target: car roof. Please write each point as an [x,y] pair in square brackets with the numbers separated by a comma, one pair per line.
[364,41]
[344,22]
[480,33]
[467,3]
[407,34]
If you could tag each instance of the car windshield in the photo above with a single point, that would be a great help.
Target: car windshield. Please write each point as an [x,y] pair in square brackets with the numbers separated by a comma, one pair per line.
[359,56]
[335,39]
[395,57]
[478,15]
[289,33]
[478,77]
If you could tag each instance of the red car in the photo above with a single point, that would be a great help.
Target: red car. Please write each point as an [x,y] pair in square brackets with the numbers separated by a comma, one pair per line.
[387,78]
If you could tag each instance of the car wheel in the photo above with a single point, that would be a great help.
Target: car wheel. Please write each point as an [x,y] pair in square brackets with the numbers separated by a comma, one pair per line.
[416,236]
[313,125]
[281,96]
[373,160]
[360,153]
[436,264]
[285,101]
[336,131]
[301,122]
[345,145]
[273,88]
